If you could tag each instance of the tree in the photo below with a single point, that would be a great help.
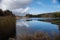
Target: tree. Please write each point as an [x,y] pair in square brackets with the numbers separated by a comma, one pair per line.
[1,13]
[7,12]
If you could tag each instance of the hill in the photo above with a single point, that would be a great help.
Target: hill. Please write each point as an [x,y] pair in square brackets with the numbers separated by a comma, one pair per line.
[46,15]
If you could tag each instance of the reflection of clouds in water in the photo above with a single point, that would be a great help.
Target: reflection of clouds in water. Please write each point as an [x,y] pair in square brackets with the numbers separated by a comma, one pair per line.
[22,28]
[22,23]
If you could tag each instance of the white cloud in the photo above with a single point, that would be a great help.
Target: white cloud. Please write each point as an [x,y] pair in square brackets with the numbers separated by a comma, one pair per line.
[21,11]
[22,24]
[25,10]
[18,6]
[54,1]
[58,6]
[14,4]
[41,4]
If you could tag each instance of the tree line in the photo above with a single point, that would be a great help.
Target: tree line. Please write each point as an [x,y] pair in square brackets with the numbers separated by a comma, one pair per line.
[46,15]
[6,13]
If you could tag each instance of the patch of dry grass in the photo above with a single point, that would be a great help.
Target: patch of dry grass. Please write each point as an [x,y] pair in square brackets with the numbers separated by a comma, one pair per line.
[7,27]
[40,36]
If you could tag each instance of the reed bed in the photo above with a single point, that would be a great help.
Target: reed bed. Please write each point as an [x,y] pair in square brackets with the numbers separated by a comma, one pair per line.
[7,27]
[40,36]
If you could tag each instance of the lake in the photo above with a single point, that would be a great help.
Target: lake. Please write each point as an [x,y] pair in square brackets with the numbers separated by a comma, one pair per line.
[32,25]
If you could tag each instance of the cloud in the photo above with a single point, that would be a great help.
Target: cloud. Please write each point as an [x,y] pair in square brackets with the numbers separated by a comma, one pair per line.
[40,3]
[21,11]
[14,4]
[19,7]
[57,6]
[22,23]
[0,0]
[54,1]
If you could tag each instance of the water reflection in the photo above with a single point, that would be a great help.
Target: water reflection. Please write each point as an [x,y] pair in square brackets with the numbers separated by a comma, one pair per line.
[55,21]
[40,24]
[26,27]
[51,20]
[59,27]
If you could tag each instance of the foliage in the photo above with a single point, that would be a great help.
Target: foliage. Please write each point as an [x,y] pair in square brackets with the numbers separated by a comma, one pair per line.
[6,13]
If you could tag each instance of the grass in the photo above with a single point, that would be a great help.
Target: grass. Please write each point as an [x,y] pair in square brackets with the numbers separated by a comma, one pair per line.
[40,36]
[7,27]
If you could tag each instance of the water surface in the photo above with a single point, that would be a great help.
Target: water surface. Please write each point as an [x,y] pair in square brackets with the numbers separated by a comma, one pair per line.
[31,25]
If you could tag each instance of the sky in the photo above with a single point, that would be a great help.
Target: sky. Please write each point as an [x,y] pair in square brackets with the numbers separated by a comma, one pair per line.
[23,7]
[44,6]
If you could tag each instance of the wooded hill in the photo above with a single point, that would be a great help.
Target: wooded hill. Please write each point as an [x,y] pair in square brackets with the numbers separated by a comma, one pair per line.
[46,15]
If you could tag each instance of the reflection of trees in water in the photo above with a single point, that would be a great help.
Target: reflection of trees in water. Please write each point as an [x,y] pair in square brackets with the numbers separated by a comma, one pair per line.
[59,27]
[57,22]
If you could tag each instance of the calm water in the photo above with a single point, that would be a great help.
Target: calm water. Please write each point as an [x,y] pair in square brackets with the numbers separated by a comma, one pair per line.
[31,25]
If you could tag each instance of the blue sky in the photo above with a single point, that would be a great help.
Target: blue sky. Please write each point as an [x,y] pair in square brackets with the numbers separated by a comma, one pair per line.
[44,6]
